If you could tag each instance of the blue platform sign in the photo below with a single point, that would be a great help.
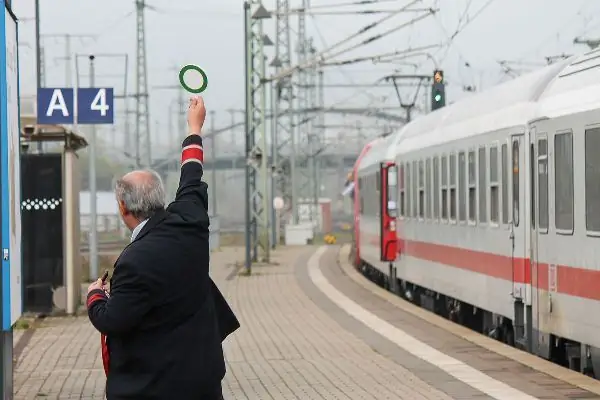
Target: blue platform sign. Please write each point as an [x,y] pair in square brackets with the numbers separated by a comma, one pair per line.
[10,174]
[95,106]
[55,106]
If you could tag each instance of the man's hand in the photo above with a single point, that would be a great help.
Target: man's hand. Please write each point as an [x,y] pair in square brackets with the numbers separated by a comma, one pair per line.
[98,284]
[196,115]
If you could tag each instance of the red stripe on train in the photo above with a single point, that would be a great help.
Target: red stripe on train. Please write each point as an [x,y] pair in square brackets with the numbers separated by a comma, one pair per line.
[573,281]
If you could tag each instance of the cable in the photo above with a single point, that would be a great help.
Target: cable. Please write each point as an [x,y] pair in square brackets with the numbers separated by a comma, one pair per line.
[378,57]
[319,56]
[351,3]
[324,43]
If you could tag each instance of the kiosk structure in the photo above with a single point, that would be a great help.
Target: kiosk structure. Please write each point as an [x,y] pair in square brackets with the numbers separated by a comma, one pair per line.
[10,198]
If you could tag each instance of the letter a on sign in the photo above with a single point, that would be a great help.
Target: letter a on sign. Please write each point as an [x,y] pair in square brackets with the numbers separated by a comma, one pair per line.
[55,106]
[57,102]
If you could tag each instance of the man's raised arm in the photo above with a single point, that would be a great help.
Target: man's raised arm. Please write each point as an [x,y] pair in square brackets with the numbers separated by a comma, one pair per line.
[191,186]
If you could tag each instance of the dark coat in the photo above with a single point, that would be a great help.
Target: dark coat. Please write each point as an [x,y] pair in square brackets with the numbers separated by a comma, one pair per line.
[165,318]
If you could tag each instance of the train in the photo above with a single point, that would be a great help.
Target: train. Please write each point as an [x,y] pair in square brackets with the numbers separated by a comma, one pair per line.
[487,212]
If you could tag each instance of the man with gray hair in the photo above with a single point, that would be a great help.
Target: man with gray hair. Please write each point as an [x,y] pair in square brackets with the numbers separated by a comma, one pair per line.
[164,320]
[140,194]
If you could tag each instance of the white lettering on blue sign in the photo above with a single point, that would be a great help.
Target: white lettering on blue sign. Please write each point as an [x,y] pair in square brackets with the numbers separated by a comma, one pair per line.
[57,102]
[99,103]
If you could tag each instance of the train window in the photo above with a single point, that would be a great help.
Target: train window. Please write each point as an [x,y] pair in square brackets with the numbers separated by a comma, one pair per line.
[444,188]
[482,186]
[543,185]
[563,182]
[462,204]
[428,188]
[415,190]
[421,190]
[408,190]
[361,191]
[504,163]
[515,182]
[472,188]
[494,186]
[592,177]
[436,188]
[453,187]
[401,188]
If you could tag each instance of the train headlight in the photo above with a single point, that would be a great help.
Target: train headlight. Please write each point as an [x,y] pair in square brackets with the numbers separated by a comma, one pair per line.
[392,225]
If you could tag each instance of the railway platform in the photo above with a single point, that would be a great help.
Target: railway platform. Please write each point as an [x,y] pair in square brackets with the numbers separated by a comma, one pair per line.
[314,328]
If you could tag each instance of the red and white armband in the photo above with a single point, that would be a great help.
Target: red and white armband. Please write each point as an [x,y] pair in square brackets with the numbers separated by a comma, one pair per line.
[192,152]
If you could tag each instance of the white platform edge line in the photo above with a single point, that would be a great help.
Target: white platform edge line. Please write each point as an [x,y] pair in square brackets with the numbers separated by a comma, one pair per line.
[455,368]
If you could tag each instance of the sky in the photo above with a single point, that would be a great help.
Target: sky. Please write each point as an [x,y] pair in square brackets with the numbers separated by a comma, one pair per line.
[469,39]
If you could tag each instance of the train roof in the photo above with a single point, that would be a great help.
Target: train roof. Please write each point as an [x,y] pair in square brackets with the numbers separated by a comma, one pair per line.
[365,152]
[512,103]
[575,89]
[379,151]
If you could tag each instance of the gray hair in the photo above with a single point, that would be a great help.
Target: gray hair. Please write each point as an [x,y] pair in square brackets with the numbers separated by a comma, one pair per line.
[143,197]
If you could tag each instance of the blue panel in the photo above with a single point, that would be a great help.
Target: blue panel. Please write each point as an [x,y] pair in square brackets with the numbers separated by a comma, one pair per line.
[4,174]
[95,106]
[55,106]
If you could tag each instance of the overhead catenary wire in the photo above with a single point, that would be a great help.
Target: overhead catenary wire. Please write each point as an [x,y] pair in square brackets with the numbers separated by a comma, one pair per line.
[320,55]
[345,4]
[377,57]
[353,12]
[381,35]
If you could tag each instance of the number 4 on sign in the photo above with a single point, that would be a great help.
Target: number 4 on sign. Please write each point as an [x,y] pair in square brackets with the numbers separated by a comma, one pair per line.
[99,103]
[95,105]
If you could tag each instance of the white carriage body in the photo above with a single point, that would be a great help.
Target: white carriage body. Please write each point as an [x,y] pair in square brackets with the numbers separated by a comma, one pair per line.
[471,235]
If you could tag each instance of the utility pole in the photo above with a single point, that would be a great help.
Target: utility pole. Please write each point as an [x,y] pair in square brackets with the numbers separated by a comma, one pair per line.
[302,98]
[257,178]
[93,238]
[320,130]
[285,120]
[309,140]
[142,106]
[213,162]
[38,57]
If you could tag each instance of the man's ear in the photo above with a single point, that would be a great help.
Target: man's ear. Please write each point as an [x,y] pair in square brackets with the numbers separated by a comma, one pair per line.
[122,208]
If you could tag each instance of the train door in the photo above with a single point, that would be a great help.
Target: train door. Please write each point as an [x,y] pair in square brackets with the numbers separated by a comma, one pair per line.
[517,225]
[536,149]
[389,211]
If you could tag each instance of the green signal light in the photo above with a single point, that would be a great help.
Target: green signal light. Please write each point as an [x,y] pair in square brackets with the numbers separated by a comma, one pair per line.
[438,97]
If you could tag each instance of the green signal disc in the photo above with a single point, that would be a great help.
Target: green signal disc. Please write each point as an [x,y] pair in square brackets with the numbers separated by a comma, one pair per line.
[438,97]
[192,67]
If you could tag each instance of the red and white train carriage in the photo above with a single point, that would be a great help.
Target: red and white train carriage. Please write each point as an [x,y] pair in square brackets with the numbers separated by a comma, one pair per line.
[499,215]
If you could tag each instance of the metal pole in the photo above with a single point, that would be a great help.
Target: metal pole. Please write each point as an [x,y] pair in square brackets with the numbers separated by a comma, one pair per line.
[213,162]
[264,174]
[274,162]
[127,140]
[68,59]
[232,138]
[93,238]
[181,113]
[38,55]
[248,115]
[320,136]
